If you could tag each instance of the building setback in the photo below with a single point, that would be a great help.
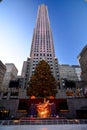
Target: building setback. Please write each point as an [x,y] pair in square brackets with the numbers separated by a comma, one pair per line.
[42,47]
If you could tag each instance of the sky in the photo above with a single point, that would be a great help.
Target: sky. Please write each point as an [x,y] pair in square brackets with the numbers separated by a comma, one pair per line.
[68,21]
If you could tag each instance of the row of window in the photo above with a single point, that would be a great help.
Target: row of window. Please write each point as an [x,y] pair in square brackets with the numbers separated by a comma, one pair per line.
[42,54]
[42,50]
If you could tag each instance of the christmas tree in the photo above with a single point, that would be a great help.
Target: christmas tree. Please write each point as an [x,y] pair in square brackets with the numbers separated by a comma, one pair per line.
[42,82]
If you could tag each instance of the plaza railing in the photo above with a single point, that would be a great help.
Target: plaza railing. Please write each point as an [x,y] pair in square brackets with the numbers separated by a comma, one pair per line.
[43,122]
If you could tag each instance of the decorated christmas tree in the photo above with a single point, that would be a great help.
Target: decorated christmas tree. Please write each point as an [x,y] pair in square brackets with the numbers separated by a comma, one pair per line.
[42,82]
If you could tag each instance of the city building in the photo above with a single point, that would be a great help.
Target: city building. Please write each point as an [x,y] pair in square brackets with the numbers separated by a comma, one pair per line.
[20,79]
[42,47]
[69,73]
[77,71]
[68,109]
[25,72]
[82,57]
[2,73]
[11,74]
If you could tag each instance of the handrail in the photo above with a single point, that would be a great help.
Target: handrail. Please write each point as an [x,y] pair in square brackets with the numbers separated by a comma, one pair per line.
[43,121]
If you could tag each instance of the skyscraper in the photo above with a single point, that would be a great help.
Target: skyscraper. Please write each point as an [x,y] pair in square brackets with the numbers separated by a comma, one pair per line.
[42,47]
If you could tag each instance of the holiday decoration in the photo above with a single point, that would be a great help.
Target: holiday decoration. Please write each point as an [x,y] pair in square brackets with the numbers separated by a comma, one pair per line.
[42,82]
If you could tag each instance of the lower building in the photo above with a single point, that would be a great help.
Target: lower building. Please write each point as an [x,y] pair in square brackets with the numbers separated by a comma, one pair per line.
[2,73]
[11,74]
[69,73]
[82,57]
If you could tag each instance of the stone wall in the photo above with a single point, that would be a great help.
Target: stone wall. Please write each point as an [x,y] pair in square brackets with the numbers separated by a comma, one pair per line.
[11,104]
[75,104]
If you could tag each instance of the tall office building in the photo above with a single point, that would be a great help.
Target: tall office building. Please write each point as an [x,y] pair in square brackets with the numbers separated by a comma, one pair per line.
[42,47]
